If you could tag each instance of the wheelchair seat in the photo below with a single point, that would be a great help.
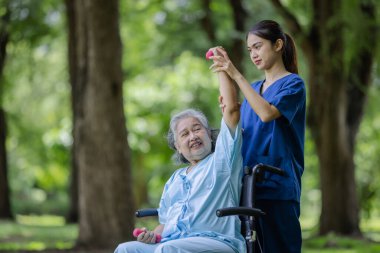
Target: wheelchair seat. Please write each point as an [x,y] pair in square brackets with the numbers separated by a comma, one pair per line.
[247,212]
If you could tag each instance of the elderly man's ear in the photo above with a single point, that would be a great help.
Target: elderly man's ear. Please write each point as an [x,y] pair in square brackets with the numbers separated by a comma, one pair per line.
[176,147]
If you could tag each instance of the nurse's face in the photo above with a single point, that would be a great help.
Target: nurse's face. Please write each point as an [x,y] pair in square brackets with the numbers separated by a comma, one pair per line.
[192,140]
[263,53]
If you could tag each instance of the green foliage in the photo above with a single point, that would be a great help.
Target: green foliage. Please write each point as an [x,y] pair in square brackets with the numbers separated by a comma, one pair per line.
[33,21]
[152,98]
[149,26]
[350,13]
[311,194]
[302,9]
[367,156]
[37,104]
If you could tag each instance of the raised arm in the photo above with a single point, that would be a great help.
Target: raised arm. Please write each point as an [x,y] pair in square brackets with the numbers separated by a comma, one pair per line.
[264,110]
[228,93]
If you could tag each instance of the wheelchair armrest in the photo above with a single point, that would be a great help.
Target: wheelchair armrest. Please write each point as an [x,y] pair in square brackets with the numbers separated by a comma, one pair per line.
[239,211]
[146,212]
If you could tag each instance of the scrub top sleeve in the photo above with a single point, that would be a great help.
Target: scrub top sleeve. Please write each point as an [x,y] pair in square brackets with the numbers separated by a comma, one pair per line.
[290,98]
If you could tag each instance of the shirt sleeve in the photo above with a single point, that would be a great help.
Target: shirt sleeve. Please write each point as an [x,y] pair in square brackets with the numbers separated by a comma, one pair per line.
[290,98]
[228,147]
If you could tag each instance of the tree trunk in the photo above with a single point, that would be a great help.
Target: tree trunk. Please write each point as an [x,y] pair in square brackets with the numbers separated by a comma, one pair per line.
[335,127]
[327,121]
[206,21]
[340,210]
[236,49]
[76,104]
[106,205]
[5,207]
[335,110]
[238,35]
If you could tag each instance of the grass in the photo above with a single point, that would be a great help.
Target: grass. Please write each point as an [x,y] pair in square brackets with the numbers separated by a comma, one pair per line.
[51,232]
[334,243]
[37,233]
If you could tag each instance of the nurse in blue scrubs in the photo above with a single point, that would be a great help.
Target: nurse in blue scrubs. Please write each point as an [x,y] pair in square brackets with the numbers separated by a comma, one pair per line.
[273,122]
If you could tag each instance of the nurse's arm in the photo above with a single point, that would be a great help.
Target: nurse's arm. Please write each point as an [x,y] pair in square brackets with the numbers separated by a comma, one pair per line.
[263,109]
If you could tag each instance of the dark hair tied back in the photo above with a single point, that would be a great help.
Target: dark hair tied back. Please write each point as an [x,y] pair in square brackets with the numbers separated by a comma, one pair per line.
[271,30]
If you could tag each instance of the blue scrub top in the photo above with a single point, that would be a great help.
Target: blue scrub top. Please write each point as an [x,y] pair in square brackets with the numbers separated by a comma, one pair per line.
[279,143]
[189,201]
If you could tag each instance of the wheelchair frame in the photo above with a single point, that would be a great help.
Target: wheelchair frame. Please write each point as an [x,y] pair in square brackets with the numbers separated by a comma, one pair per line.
[247,212]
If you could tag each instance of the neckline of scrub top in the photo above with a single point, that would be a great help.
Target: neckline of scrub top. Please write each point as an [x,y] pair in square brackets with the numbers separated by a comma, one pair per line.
[262,82]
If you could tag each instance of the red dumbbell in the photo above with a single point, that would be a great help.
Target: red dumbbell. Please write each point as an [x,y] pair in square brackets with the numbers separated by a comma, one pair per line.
[209,54]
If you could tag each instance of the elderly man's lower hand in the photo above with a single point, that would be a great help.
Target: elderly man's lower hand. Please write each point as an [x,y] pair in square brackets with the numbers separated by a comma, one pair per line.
[147,237]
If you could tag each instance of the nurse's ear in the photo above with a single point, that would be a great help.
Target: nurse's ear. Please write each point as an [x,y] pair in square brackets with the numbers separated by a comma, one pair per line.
[278,45]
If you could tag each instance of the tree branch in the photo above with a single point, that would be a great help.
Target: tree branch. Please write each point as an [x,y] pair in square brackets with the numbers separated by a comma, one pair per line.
[237,47]
[4,35]
[206,21]
[291,21]
[306,40]
[360,70]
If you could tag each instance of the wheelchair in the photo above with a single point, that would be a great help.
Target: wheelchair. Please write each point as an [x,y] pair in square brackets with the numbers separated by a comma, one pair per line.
[247,212]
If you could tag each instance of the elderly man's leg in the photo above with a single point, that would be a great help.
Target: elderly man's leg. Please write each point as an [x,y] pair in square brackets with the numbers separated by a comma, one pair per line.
[136,247]
[194,245]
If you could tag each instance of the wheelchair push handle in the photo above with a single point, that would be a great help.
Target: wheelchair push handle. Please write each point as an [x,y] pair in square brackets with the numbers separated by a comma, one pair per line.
[146,212]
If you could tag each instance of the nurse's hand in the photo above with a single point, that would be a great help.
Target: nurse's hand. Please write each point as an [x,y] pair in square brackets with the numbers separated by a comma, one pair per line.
[223,63]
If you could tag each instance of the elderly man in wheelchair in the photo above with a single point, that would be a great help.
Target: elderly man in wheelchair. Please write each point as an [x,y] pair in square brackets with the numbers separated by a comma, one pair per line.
[210,181]
[195,195]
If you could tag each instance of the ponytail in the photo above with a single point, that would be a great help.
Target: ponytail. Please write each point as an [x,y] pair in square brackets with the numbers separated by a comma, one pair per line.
[289,54]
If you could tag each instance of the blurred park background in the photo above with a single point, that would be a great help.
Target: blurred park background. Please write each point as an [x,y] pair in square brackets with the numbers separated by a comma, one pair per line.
[87,89]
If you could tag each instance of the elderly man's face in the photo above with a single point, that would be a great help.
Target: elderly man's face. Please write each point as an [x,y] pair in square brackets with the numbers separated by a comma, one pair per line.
[192,140]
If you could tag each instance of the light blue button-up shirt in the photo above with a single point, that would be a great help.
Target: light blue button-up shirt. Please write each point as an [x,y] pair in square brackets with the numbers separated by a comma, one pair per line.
[189,201]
